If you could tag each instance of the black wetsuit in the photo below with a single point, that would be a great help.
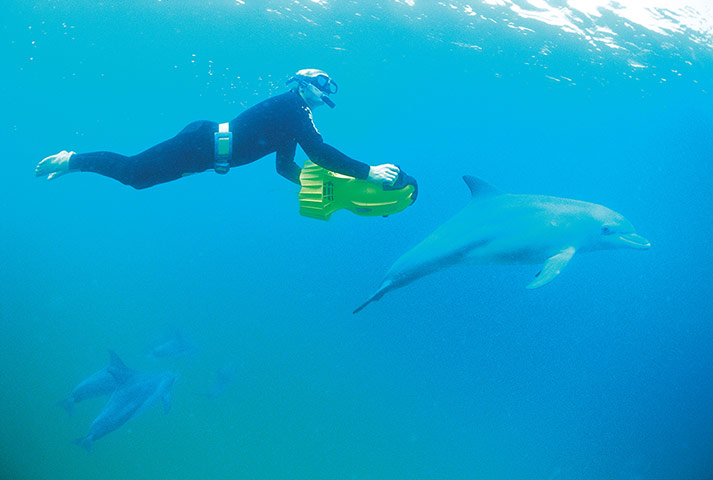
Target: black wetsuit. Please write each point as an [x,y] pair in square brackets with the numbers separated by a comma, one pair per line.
[276,125]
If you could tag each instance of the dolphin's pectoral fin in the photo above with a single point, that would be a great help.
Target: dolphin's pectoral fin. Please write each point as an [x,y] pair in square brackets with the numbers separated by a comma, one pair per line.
[552,267]
[166,400]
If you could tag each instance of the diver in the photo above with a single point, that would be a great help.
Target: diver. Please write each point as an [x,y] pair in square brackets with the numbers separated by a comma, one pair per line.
[277,125]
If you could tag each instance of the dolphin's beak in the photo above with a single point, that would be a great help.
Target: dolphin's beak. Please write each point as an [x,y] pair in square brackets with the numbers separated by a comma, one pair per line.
[634,241]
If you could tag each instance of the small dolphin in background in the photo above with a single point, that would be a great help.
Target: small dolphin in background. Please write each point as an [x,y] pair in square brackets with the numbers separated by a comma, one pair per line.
[136,393]
[174,345]
[501,228]
[223,380]
[96,385]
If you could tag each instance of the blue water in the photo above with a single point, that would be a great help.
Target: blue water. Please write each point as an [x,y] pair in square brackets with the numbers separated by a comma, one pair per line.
[604,374]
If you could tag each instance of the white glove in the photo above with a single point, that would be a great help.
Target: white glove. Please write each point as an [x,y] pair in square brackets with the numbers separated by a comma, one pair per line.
[385,173]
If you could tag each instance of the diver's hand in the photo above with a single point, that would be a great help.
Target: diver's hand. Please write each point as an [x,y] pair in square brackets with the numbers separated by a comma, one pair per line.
[385,173]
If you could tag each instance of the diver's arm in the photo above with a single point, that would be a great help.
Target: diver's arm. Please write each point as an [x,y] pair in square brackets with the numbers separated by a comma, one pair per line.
[332,159]
[322,154]
[285,163]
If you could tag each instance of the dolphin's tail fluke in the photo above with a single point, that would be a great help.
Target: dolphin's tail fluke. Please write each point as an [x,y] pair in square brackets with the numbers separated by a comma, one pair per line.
[67,404]
[86,443]
[385,287]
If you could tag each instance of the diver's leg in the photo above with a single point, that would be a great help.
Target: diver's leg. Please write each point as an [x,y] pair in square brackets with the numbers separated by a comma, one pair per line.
[191,151]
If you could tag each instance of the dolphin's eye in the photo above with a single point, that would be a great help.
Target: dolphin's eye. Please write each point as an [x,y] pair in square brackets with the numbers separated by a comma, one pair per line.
[606,231]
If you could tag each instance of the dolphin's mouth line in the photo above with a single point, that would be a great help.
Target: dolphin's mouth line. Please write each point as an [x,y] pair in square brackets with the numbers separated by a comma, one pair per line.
[634,240]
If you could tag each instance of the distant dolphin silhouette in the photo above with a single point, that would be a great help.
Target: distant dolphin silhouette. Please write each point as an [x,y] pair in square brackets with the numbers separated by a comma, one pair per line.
[95,385]
[135,393]
[502,228]
[173,345]
[224,378]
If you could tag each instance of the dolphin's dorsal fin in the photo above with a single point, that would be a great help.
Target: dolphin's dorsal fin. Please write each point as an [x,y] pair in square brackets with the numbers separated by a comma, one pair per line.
[115,361]
[480,188]
[117,369]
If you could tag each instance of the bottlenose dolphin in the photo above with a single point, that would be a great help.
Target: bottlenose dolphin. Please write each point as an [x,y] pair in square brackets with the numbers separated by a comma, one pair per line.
[223,380]
[504,228]
[136,392]
[98,384]
[174,345]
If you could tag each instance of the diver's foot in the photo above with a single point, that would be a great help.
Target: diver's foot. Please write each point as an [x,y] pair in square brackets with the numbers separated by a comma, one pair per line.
[54,165]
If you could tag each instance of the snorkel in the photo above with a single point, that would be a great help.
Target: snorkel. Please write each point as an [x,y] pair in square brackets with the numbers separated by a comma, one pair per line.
[317,82]
[327,101]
